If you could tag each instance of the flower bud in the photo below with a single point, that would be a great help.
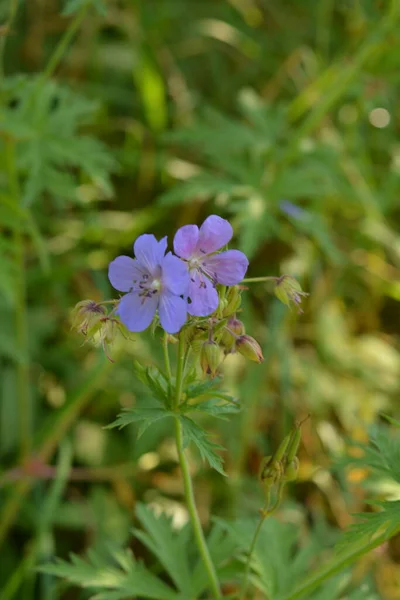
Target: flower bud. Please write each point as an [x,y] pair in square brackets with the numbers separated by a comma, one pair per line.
[292,470]
[235,326]
[104,334]
[288,290]
[232,330]
[86,315]
[271,471]
[210,358]
[249,347]
[233,300]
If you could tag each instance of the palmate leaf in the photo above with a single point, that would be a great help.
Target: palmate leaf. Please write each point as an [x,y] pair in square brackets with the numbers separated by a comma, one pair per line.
[208,450]
[381,454]
[167,544]
[45,120]
[385,522]
[116,576]
[214,408]
[201,388]
[278,562]
[155,380]
[145,415]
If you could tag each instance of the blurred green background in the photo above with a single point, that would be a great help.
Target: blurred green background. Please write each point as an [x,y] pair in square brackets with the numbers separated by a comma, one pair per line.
[123,117]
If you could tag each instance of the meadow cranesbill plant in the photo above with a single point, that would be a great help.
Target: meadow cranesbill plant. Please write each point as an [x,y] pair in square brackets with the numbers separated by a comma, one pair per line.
[194,297]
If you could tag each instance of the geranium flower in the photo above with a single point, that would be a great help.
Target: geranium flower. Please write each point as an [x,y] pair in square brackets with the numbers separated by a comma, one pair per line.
[153,281]
[198,248]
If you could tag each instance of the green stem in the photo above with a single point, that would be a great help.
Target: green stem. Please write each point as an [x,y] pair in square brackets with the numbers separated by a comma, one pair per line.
[333,567]
[65,41]
[179,371]
[259,279]
[3,39]
[187,481]
[166,356]
[266,512]
[21,321]
[194,517]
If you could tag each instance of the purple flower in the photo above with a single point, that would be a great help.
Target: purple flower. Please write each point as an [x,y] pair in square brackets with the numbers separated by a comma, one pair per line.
[198,248]
[153,281]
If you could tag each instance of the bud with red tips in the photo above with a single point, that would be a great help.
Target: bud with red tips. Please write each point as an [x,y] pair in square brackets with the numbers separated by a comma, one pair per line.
[249,347]
[210,358]
[233,329]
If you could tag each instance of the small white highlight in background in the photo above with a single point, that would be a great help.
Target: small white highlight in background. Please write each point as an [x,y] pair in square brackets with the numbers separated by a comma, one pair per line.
[379,117]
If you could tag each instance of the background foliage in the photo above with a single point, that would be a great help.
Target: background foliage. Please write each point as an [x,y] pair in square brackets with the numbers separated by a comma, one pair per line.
[119,118]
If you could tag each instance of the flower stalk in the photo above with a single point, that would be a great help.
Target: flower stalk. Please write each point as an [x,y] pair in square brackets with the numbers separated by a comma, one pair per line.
[187,480]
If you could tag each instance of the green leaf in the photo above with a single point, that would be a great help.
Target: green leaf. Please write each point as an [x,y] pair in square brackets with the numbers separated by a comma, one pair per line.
[73,6]
[45,120]
[193,433]
[146,416]
[391,420]
[386,521]
[214,408]
[199,389]
[169,545]
[200,187]
[221,545]
[381,454]
[158,384]
[116,575]
[151,87]
[155,380]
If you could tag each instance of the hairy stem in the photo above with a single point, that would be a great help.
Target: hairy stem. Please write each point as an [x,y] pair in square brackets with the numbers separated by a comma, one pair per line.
[194,517]
[265,513]
[179,372]
[187,481]
[166,357]
[251,550]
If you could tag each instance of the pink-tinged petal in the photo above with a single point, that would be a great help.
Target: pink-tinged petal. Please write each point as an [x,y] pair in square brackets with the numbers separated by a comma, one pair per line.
[175,274]
[203,297]
[214,234]
[149,252]
[185,241]
[124,272]
[172,310]
[137,312]
[227,268]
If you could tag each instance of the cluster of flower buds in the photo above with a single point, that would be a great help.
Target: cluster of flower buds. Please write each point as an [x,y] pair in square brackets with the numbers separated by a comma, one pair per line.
[283,466]
[221,334]
[91,319]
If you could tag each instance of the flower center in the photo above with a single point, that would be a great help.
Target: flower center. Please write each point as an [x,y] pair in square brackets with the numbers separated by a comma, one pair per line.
[149,286]
[194,263]
[156,285]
